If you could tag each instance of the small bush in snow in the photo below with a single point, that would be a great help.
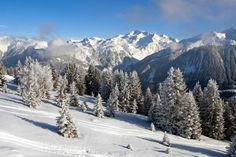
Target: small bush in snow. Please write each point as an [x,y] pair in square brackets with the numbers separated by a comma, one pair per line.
[166,140]
[83,106]
[152,126]
[129,146]
[168,150]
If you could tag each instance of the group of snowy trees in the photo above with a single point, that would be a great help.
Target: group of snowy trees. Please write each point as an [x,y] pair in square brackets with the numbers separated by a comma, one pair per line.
[122,91]
[35,82]
[191,113]
[175,109]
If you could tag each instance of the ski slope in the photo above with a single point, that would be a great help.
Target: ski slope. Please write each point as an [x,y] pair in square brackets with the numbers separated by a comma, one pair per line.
[28,132]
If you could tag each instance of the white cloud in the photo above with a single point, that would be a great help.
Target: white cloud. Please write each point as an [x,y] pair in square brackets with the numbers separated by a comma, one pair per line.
[181,10]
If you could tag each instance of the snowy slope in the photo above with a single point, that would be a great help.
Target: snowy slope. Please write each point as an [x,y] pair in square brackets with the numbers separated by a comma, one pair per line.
[29,132]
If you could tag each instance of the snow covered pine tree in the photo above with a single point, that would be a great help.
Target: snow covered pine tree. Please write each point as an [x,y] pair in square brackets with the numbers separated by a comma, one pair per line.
[98,109]
[113,101]
[65,123]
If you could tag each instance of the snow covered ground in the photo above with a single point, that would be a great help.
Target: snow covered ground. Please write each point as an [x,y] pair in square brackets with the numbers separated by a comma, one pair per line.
[26,132]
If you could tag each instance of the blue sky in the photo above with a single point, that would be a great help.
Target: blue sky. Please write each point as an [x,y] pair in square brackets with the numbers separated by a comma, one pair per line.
[106,18]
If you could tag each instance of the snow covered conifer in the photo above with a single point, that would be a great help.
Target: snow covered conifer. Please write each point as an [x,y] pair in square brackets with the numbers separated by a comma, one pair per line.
[46,78]
[136,91]
[55,77]
[17,72]
[2,80]
[171,92]
[197,92]
[4,88]
[98,108]
[93,80]
[30,85]
[191,126]
[79,81]
[113,102]
[157,114]
[70,74]
[83,106]
[232,147]
[124,95]
[65,123]
[212,111]
[73,98]
[134,106]
[198,95]
[148,101]
[106,85]
[230,118]
[61,96]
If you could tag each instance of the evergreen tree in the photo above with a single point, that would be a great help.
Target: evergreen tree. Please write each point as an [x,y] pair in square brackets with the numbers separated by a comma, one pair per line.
[45,80]
[157,114]
[70,74]
[55,77]
[65,123]
[190,124]
[232,147]
[212,111]
[2,79]
[197,93]
[136,91]
[61,93]
[98,108]
[4,88]
[79,81]
[113,102]
[134,106]
[92,80]
[83,106]
[171,92]
[73,98]
[124,95]
[30,86]
[148,101]
[106,85]
[17,73]
[117,79]
[230,118]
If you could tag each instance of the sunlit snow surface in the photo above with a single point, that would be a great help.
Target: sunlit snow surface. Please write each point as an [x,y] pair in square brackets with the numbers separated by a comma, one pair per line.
[28,132]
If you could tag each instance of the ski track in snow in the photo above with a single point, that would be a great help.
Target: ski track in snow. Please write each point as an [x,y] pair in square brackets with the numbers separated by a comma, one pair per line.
[48,148]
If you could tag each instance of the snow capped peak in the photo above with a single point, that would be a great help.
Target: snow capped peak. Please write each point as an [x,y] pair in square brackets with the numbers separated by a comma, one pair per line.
[220,35]
[135,33]
[210,38]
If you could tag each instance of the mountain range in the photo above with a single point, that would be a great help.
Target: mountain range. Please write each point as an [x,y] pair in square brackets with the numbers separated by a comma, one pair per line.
[207,55]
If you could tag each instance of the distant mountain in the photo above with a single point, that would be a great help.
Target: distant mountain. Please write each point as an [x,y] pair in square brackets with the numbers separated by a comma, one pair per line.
[107,53]
[209,55]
